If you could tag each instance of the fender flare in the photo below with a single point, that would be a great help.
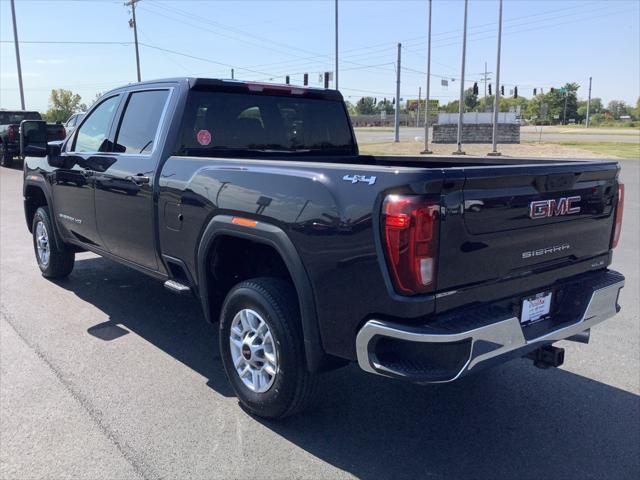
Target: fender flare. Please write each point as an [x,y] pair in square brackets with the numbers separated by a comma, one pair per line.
[37,181]
[275,237]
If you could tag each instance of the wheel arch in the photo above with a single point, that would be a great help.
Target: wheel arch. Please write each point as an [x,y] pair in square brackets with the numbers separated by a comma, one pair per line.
[276,238]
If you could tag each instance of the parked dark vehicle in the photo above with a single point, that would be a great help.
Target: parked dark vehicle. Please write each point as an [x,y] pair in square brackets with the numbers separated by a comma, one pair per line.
[253,198]
[73,121]
[10,133]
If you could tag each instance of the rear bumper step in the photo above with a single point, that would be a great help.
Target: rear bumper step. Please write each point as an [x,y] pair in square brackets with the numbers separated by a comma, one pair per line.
[440,353]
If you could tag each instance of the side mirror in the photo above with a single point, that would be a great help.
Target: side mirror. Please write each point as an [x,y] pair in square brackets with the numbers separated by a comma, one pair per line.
[33,138]
[54,157]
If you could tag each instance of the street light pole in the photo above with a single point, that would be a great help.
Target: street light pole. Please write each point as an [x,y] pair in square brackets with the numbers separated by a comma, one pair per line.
[461,105]
[418,111]
[496,101]
[336,45]
[426,150]
[589,104]
[15,39]
[397,117]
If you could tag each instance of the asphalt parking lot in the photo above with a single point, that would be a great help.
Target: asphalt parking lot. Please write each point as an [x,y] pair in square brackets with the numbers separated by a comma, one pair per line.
[108,375]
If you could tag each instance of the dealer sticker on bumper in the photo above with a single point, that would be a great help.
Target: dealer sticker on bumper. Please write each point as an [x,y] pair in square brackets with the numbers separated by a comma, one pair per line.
[536,307]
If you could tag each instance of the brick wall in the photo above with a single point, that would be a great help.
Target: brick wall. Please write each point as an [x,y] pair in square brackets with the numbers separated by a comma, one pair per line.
[480,133]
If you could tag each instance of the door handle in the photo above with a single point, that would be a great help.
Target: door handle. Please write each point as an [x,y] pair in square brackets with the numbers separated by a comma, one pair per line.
[139,179]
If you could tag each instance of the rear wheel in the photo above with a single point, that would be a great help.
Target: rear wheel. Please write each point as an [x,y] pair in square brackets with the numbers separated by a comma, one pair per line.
[6,158]
[54,262]
[262,348]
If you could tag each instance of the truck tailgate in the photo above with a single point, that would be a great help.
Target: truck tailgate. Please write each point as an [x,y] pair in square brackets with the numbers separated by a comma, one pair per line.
[517,220]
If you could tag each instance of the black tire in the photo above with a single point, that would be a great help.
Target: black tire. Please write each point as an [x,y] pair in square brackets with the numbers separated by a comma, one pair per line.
[293,388]
[6,158]
[60,260]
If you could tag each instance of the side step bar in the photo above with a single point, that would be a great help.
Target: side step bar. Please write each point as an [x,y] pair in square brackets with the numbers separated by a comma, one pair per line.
[176,287]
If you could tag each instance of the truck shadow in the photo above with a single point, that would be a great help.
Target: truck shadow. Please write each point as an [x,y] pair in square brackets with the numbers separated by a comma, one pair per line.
[513,421]
[137,303]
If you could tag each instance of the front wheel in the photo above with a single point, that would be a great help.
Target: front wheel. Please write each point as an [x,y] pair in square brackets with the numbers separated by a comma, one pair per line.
[54,262]
[262,348]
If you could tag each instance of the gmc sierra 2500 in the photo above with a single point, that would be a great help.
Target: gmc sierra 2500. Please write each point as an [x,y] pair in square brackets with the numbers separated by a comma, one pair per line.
[253,198]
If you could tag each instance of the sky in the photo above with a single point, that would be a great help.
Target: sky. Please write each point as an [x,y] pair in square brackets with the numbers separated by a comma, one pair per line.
[545,43]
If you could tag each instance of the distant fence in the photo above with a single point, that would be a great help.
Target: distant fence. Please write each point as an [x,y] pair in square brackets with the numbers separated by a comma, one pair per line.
[477,118]
[406,120]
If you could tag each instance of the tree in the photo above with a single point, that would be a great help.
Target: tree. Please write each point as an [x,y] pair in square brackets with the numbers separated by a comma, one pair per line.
[618,108]
[366,106]
[350,107]
[62,104]
[452,107]
[385,106]
[470,100]
[549,107]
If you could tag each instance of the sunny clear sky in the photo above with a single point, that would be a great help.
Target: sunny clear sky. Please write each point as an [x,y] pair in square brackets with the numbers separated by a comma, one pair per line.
[545,43]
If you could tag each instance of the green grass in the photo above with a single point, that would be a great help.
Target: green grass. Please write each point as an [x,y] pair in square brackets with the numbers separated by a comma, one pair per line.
[629,150]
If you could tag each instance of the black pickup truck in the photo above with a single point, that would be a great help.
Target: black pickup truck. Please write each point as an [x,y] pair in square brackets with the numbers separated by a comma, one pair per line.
[254,199]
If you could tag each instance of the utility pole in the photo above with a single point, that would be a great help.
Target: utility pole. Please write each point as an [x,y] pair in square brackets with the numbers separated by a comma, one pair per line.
[397,117]
[496,102]
[564,114]
[15,39]
[336,83]
[426,150]
[418,112]
[134,25]
[486,78]
[589,104]
[461,105]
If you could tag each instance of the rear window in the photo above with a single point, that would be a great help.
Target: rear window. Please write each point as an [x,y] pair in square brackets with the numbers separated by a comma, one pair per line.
[219,123]
[9,118]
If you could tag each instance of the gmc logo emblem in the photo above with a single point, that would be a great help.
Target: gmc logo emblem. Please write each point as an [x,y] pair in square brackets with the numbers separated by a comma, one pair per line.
[554,208]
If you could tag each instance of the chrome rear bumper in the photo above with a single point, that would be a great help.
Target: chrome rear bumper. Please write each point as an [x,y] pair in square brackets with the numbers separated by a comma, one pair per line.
[473,347]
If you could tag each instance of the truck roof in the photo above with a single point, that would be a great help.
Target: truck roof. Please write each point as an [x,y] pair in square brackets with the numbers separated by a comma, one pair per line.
[3,110]
[203,83]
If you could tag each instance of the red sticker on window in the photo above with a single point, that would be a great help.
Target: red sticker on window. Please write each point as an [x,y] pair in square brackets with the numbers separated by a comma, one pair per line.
[204,137]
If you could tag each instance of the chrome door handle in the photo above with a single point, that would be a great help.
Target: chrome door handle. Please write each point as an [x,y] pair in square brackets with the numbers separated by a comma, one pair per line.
[139,179]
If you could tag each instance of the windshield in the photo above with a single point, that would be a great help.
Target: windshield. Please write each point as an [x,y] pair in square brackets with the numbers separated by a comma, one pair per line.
[10,118]
[223,123]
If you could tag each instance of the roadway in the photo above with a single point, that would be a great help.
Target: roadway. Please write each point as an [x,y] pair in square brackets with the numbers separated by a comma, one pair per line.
[106,375]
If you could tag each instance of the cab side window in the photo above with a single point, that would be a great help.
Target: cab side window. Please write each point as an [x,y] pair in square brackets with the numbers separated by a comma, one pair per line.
[140,122]
[94,132]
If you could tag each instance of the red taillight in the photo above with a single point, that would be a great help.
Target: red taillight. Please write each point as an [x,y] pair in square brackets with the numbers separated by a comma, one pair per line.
[619,210]
[12,133]
[410,229]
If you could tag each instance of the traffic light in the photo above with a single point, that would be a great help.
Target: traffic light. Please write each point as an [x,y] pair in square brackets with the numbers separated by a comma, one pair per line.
[535,92]
[394,101]
[375,100]
[489,89]
[553,89]
[286,79]
[475,88]
[515,92]
[306,79]
[501,89]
